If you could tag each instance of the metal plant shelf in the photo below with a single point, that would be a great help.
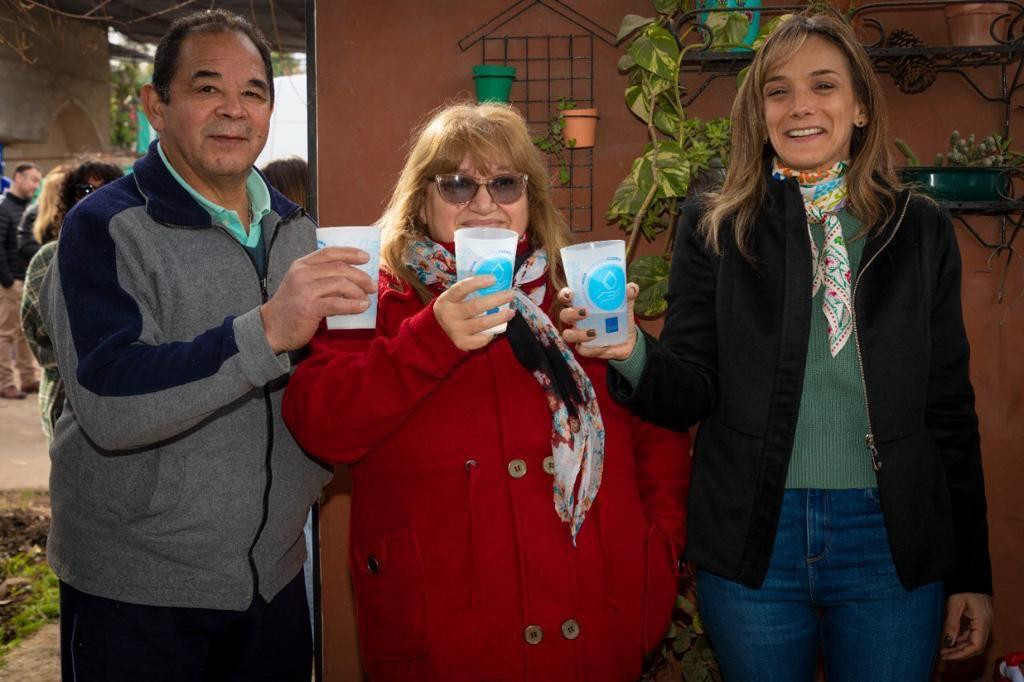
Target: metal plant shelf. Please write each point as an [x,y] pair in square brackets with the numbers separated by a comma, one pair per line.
[1010,213]
[992,208]
[943,58]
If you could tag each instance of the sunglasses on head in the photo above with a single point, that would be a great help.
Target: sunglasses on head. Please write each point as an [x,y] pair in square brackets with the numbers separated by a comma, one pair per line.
[456,188]
[83,189]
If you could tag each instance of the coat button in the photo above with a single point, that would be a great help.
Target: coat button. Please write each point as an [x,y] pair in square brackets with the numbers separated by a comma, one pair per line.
[373,564]
[533,634]
[570,629]
[517,468]
[549,465]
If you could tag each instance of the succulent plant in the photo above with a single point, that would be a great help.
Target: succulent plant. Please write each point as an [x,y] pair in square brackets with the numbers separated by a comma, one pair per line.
[991,152]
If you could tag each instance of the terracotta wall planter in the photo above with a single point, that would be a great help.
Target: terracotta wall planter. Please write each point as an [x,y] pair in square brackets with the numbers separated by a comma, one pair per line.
[581,126]
[971,23]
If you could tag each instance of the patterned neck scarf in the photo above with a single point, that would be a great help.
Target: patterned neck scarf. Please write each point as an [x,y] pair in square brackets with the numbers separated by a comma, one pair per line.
[577,430]
[825,194]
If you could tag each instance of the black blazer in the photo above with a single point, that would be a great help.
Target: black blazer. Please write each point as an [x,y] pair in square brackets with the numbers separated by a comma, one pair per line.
[732,356]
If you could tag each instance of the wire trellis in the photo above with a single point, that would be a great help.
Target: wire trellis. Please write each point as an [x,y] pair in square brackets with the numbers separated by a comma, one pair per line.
[550,69]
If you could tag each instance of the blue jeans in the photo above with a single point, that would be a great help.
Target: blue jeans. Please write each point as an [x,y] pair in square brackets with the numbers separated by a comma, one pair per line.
[831,588]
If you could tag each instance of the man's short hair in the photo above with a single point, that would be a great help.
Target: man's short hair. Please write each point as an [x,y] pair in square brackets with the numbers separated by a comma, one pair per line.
[165,64]
[23,167]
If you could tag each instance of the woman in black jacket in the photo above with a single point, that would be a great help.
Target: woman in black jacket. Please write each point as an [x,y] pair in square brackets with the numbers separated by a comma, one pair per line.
[814,329]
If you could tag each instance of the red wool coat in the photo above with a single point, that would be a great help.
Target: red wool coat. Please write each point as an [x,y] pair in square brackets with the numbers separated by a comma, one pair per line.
[461,567]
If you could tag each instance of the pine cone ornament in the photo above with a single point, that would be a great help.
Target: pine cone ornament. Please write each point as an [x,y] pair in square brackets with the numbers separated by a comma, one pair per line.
[911,73]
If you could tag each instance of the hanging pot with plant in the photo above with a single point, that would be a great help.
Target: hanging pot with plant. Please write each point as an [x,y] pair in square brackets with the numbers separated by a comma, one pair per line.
[580,129]
[977,23]
[557,138]
[732,30]
[970,171]
[493,82]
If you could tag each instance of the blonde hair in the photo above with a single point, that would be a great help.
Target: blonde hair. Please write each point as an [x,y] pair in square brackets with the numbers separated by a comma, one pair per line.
[492,135]
[871,179]
[51,211]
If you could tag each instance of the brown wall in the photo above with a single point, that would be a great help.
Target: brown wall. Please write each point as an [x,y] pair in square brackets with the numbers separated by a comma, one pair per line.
[383,66]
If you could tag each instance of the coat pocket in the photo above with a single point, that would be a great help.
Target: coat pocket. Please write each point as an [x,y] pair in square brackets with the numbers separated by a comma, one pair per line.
[660,586]
[146,485]
[391,601]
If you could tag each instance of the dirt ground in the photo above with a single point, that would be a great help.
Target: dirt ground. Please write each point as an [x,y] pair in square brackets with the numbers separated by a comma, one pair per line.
[24,523]
[36,660]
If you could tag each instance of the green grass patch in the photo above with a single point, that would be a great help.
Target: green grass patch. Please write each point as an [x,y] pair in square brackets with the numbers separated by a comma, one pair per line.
[32,596]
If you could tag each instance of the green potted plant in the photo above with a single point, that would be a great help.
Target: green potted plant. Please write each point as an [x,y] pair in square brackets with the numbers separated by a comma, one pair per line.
[969,171]
[680,146]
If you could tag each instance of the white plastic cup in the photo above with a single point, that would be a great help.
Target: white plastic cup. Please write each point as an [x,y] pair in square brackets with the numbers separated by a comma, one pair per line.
[596,273]
[366,238]
[487,251]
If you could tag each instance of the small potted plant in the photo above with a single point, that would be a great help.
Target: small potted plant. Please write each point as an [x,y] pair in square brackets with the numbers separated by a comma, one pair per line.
[562,133]
[580,129]
[493,82]
[969,171]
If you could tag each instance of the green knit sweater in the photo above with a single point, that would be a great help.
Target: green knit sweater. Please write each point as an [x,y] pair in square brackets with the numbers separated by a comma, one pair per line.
[829,450]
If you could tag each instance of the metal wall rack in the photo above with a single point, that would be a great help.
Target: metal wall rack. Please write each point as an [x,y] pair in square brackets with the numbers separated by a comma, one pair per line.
[548,69]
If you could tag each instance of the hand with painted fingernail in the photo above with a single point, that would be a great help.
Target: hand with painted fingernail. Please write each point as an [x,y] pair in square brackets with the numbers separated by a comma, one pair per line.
[968,622]
[570,317]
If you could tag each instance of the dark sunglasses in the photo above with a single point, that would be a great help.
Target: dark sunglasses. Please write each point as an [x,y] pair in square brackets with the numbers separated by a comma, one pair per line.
[460,189]
[82,190]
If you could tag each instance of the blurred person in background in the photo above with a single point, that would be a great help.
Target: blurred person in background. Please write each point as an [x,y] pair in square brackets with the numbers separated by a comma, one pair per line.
[15,357]
[48,206]
[65,186]
[290,177]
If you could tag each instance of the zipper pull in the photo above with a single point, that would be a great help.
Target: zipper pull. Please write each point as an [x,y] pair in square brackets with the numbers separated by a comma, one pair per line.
[876,462]
[263,287]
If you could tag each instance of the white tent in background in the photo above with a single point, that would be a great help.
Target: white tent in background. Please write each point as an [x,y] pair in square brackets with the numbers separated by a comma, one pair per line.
[288,123]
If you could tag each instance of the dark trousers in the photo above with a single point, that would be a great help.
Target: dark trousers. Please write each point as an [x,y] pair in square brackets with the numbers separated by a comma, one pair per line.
[102,640]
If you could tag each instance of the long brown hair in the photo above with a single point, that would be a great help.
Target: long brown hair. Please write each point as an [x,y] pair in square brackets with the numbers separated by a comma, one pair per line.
[50,211]
[872,182]
[492,135]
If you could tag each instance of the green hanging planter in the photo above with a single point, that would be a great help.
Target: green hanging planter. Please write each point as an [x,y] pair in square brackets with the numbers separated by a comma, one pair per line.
[493,82]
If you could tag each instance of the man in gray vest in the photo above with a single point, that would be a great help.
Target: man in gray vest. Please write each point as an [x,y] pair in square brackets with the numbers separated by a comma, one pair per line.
[178,494]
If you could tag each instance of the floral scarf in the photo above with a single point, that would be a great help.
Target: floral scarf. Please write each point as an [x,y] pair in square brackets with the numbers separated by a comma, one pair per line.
[577,430]
[825,194]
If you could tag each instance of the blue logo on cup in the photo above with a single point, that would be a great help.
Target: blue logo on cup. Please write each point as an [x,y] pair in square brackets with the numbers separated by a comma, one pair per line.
[320,243]
[606,287]
[502,271]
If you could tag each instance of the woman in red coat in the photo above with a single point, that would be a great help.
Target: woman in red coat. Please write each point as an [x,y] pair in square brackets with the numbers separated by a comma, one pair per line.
[509,520]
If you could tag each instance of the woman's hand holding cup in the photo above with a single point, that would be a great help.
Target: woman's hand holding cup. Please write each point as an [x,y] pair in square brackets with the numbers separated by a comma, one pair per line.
[464,320]
[570,316]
